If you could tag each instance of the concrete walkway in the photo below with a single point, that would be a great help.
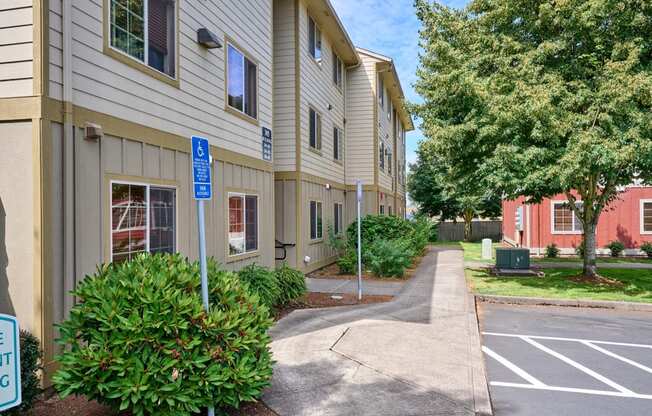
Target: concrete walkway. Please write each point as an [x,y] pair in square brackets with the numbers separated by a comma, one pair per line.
[351,286]
[417,355]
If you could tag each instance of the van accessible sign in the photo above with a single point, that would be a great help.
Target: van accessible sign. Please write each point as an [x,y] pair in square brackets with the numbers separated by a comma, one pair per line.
[201,168]
[10,393]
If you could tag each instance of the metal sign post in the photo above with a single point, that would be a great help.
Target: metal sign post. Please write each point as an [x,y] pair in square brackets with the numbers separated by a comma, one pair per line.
[359,198]
[201,180]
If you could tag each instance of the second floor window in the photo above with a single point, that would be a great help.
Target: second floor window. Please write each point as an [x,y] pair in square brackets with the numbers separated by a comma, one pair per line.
[338,143]
[145,30]
[314,121]
[337,71]
[389,162]
[241,80]
[381,155]
[381,92]
[314,40]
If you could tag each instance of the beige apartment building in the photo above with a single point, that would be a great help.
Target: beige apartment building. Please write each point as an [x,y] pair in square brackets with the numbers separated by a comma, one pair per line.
[330,130]
[98,101]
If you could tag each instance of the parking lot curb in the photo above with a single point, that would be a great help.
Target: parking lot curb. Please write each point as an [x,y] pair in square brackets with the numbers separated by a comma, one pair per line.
[576,303]
[481,395]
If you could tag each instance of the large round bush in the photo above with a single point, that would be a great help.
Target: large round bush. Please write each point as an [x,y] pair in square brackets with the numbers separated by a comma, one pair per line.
[378,227]
[140,340]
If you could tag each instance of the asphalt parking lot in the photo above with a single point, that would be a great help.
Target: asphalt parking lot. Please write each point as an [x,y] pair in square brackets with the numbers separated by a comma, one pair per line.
[567,361]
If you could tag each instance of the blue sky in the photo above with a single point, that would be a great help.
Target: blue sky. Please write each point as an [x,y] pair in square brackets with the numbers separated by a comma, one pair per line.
[391,28]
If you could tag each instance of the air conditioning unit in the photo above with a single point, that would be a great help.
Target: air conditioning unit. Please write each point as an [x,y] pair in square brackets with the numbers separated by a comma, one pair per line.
[512,258]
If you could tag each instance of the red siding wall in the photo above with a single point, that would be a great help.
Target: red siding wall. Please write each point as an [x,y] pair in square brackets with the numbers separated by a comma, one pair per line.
[621,221]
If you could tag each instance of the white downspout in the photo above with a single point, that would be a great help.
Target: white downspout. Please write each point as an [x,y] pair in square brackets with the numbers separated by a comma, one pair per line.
[68,160]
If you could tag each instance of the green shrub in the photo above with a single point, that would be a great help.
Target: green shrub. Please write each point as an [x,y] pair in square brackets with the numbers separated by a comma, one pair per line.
[348,262]
[261,282]
[291,282]
[420,235]
[377,227]
[647,248]
[552,251]
[388,258]
[616,248]
[30,361]
[579,249]
[140,340]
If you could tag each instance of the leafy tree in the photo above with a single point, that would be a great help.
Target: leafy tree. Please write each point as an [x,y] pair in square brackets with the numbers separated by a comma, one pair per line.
[541,97]
[438,193]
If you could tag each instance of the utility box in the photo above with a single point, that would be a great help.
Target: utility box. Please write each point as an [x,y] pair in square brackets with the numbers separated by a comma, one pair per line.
[512,258]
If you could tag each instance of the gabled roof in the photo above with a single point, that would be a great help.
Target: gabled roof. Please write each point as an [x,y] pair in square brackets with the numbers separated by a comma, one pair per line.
[393,84]
[328,21]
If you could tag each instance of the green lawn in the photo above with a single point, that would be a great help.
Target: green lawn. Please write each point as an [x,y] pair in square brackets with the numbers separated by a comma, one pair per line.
[636,287]
[473,251]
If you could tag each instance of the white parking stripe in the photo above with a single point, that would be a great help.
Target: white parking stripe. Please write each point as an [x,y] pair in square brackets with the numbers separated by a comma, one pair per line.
[504,361]
[618,357]
[623,344]
[577,365]
[573,390]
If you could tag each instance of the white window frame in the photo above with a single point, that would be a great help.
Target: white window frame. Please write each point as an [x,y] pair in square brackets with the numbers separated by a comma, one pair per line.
[244,196]
[318,129]
[147,213]
[318,41]
[553,204]
[642,223]
[339,145]
[245,57]
[317,229]
[338,228]
[145,61]
[381,91]
[338,67]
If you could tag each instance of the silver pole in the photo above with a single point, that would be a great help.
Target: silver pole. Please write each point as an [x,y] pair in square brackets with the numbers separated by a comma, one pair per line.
[202,264]
[359,198]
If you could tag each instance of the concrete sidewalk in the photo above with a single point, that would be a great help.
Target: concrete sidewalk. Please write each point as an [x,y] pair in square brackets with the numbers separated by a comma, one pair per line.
[351,286]
[418,355]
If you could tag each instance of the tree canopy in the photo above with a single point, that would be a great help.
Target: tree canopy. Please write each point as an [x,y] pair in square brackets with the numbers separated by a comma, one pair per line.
[540,97]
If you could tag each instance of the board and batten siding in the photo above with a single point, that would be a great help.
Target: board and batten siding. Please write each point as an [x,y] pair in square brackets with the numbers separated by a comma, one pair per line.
[16,48]
[284,86]
[360,154]
[318,90]
[103,84]
[318,250]
[55,51]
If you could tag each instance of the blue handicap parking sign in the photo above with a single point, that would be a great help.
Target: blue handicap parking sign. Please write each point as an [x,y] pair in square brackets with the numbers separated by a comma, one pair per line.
[201,168]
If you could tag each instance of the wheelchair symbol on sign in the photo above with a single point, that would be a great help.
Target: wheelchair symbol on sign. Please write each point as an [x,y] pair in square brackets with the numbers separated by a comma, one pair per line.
[200,151]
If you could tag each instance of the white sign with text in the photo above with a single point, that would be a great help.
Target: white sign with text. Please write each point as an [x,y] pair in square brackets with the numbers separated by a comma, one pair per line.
[10,393]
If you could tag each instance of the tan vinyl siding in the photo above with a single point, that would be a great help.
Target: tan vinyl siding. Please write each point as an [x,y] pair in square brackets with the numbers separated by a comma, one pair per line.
[16,48]
[17,253]
[284,86]
[104,84]
[360,154]
[318,250]
[318,90]
[56,50]
[286,219]
[386,136]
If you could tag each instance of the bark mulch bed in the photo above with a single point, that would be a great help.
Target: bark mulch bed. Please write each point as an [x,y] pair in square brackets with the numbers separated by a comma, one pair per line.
[79,406]
[333,272]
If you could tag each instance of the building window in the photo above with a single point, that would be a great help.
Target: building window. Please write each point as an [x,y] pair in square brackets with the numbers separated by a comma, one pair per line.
[338,71]
[382,210]
[389,110]
[241,81]
[316,232]
[381,91]
[143,220]
[381,155]
[338,143]
[337,218]
[243,223]
[646,216]
[315,129]
[389,210]
[314,40]
[144,30]
[389,161]
[564,220]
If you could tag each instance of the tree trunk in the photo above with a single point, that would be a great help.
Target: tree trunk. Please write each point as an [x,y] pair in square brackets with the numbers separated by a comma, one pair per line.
[590,265]
[468,225]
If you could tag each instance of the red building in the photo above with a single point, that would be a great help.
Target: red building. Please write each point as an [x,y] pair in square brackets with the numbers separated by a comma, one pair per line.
[628,220]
